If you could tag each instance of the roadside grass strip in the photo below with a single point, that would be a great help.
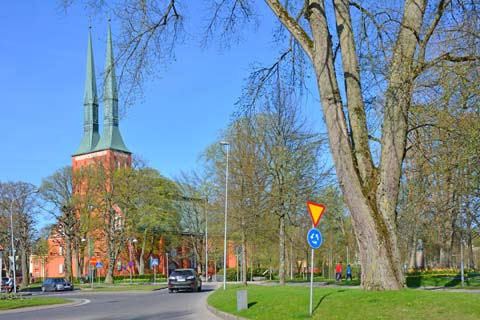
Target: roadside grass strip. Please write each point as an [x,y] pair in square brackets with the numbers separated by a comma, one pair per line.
[286,302]
[8,304]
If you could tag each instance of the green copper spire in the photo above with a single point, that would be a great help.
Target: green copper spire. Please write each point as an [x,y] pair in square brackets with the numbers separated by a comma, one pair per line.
[111,137]
[90,106]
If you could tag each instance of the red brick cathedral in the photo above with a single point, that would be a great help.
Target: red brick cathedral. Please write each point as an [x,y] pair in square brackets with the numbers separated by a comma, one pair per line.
[107,148]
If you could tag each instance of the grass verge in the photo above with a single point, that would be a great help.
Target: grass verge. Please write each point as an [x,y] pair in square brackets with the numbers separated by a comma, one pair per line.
[30,302]
[285,302]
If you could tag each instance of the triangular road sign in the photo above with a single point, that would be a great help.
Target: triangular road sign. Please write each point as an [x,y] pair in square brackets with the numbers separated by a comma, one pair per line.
[316,211]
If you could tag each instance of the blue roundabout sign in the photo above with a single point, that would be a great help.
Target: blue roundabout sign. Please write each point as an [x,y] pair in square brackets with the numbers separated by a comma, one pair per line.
[314,238]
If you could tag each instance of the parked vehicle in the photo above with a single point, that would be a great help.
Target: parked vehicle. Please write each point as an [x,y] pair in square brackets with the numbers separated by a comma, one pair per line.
[5,288]
[184,279]
[56,284]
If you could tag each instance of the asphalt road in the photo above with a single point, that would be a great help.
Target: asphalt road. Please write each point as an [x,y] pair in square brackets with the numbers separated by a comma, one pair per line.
[122,305]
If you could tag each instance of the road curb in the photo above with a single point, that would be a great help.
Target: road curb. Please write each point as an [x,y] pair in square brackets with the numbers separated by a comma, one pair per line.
[223,315]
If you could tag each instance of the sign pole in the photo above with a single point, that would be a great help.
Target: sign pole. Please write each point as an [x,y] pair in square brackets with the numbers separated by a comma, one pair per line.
[311,284]
[314,238]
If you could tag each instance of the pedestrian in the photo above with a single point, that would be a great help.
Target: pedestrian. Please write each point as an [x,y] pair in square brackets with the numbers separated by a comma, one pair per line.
[349,273]
[338,271]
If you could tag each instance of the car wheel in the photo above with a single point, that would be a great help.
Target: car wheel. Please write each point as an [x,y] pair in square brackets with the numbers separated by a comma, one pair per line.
[170,290]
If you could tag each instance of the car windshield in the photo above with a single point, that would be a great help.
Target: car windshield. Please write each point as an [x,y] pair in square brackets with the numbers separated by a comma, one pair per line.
[185,273]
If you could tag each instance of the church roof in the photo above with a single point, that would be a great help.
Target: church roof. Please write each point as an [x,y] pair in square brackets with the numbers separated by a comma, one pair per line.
[111,137]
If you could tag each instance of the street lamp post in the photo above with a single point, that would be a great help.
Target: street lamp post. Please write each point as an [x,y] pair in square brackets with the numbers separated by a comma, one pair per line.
[462,265]
[130,263]
[11,230]
[1,264]
[166,255]
[226,144]
[206,241]
[90,277]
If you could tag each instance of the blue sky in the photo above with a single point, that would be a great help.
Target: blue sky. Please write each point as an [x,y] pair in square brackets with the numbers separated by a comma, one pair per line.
[42,63]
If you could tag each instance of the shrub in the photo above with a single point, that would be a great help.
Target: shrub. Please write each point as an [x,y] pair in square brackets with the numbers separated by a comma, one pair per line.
[438,277]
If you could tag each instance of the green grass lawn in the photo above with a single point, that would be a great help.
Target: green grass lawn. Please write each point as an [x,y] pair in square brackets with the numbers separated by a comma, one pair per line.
[30,302]
[292,302]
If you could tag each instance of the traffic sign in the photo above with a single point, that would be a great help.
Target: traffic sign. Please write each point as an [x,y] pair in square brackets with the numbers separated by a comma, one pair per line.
[93,261]
[314,238]
[316,211]
[154,261]
[99,265]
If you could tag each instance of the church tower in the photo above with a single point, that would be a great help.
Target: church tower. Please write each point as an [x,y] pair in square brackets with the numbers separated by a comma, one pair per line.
[109,147]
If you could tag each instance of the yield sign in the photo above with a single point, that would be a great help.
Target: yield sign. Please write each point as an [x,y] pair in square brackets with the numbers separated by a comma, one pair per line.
[316,211]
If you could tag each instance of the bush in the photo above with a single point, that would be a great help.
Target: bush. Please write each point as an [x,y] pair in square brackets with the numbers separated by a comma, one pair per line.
[140,278]
[438,278]
[257,272]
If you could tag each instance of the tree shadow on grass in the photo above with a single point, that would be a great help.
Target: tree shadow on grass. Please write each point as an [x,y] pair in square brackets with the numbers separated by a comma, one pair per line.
[323,297]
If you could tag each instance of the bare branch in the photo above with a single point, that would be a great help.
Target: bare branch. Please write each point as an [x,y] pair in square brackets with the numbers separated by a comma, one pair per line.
[292,26]
[428,34]
[447,57]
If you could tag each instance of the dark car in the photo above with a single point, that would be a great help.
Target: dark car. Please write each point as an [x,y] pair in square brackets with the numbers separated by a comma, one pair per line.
[56,284]
[184,279]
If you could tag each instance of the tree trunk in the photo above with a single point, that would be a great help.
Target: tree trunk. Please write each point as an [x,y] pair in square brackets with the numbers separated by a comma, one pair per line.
[413,250]
[281,235]
[244,258]
[112,253]
[68,259]
[25,269]
[113,241]
[141,266]
[110,270]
